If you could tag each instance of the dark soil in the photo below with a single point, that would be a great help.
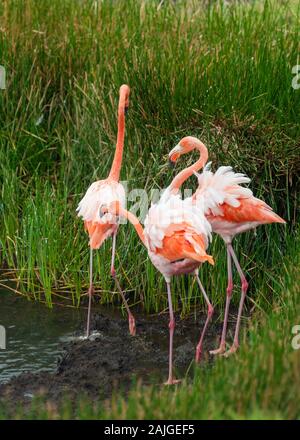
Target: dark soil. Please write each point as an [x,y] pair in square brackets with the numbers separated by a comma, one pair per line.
[113,359]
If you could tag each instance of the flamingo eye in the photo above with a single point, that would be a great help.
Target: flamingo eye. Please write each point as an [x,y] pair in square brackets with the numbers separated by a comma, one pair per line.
[102,210]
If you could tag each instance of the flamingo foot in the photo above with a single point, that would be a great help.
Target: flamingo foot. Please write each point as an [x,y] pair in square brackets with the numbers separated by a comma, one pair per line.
[231,351]
[220,350]
[132,326]
[172,382]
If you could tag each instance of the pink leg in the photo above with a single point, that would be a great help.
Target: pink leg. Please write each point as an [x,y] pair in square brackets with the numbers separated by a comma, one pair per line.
[210,311]
[91,291]
[222,347]
[235,345]
[113,255]
[131,320]
[171,380]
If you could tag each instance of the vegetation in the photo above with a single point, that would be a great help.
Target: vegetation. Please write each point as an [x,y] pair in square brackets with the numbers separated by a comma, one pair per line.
[222,73]
[261,382]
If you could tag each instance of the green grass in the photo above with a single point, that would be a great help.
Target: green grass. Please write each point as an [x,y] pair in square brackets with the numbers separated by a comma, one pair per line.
[260,382]
[219,72]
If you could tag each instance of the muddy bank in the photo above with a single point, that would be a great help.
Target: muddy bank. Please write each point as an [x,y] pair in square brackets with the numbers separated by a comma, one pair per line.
[111,359]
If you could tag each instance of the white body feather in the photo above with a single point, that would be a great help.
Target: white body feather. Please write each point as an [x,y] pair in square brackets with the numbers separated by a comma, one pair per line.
[220,187]
[172,210]
[161,221]
[223,187]
[100,193]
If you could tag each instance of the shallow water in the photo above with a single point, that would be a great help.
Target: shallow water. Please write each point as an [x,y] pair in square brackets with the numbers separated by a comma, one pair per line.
[37,337]
[34,334]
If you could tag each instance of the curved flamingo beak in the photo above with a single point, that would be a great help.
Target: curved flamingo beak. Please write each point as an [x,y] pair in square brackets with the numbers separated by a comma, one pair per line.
[174,154]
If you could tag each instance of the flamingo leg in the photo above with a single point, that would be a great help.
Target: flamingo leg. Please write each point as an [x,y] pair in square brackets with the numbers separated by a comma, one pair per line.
[229,289]
[113,255]
[235,345]
[210,311]
[171,380]
[131,319]
[90,293]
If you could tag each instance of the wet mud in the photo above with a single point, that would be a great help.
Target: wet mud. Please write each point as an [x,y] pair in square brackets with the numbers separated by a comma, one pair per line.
[111,359]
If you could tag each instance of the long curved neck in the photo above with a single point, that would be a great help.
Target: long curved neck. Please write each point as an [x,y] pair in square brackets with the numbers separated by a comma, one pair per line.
[117,162]
[187,172]
[134,221]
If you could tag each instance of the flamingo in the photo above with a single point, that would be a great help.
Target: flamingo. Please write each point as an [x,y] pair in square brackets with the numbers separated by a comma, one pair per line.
[176,235]
[104,192]
[230,209]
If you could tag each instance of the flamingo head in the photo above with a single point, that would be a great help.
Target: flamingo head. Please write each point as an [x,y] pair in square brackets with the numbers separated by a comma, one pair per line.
[113,208]
[186,145]
[125,92]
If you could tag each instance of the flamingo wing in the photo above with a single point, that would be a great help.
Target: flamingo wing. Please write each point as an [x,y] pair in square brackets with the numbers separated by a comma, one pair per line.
[184,243]
[224,198]
[249,210]
[221,187]
[100,193]
[169,215]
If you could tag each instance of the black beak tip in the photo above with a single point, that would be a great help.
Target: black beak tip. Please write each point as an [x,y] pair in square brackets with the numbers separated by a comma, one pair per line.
[171,163]
[126,110]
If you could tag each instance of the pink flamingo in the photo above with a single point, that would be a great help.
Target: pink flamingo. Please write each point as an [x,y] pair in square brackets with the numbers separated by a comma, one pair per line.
[176,236]
[104,192]
[230,209]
